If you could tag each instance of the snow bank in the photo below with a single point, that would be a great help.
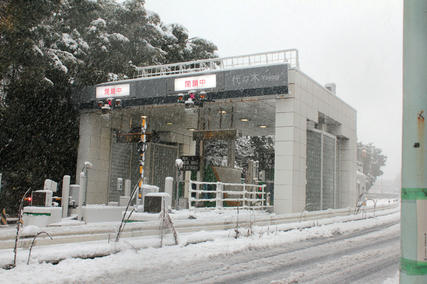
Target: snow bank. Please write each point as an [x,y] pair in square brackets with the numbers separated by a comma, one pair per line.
[139,254]
[29,231]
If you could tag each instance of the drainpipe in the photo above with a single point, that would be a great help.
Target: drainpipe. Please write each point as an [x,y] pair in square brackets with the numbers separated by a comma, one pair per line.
[413,262]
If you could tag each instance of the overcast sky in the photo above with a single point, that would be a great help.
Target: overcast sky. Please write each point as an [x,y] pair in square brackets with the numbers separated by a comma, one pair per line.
[355,43]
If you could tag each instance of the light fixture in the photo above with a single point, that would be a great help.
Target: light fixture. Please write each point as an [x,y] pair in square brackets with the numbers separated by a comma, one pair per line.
[222,111]
[262,126]
[203,96]
[191,129]
[244,119]
[180,98]
[169,123]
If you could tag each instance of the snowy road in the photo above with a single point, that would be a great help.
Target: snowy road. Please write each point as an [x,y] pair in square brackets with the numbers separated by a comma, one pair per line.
[361,248]
[366,256]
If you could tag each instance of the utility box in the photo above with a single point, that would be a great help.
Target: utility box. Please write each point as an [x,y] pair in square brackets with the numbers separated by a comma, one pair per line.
[155,201]
[41,198]
[119,184]
[74,194]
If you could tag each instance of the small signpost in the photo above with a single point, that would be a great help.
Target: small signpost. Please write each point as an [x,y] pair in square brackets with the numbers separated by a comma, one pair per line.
[190,163]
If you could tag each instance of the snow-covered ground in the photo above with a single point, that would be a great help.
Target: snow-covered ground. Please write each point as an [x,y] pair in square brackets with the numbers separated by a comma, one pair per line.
[132,256]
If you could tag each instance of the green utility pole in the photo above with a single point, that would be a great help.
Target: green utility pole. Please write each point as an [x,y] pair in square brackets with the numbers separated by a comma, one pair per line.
[413,262]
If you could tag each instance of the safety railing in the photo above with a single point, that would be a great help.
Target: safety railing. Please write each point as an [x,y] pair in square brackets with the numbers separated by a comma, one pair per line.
[230,195]
[289,56]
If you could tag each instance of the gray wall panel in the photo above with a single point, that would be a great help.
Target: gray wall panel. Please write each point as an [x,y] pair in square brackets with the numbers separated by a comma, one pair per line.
[328,172]
[321,171]
[313,173]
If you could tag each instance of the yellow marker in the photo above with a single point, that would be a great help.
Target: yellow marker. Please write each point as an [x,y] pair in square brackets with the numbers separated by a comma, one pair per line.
[3,217]
[142,154]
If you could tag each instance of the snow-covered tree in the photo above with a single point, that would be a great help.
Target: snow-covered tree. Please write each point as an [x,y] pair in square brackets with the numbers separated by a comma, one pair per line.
[48,48]
[372,161]
[247,148]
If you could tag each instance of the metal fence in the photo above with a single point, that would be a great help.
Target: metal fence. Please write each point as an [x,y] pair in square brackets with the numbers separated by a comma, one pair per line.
[289,56]
[230,195]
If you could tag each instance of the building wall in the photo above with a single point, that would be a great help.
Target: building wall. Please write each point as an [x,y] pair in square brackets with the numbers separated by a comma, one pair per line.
[308,100]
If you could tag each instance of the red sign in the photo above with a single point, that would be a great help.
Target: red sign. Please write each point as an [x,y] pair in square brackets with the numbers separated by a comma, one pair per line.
[192,83]
[112,91]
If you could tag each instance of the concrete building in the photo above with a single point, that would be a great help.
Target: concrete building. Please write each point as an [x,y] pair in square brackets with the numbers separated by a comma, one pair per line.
[254,95]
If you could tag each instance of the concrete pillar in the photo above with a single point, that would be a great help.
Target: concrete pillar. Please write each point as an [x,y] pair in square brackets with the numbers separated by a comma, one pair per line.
[219,195]
[347,193]
[169,186]
[95,146]
[290,157]
[231,157]
[128,185]
[65,195]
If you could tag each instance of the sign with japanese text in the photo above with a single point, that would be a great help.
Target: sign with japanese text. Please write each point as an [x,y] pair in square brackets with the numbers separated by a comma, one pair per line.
[190,163]
[223,134]
[112,91]
[194,83]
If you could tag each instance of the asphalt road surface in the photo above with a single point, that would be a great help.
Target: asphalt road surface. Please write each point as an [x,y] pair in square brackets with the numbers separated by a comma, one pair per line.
[366,256]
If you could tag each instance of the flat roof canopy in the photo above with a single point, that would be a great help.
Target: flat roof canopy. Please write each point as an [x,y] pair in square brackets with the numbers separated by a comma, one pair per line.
[238,98]
[219,85]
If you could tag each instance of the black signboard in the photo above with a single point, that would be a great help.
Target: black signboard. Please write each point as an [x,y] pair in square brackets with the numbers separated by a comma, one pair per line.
[223,134]
[190,163]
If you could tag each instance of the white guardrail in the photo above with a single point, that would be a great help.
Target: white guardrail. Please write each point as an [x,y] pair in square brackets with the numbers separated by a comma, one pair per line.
[289,56]
[104,231]
[245,195]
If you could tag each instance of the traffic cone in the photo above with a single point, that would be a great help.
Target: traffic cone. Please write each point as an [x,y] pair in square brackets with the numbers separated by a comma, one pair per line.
[3,217]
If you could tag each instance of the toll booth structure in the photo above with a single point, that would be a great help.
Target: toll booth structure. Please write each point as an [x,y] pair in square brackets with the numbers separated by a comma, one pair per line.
[264,94]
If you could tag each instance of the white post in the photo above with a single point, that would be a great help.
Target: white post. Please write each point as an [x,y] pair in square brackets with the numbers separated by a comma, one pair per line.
[82,194]
[169,186]
[127,187]
[219,195]
[65,195]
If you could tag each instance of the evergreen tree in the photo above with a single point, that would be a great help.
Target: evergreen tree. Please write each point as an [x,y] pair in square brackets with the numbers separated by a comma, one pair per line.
[372,161]
[50,47]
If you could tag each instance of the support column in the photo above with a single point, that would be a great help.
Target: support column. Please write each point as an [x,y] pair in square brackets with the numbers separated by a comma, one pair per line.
[231,157]
[95,146]
[290,157]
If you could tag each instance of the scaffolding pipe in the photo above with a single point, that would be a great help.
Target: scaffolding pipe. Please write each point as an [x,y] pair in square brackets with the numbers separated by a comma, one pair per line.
[413,261]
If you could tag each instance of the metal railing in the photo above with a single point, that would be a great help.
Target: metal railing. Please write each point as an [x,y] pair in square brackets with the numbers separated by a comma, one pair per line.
[244,195]
[289,56]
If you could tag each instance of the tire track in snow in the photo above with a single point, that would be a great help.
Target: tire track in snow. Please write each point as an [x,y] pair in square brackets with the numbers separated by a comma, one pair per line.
[301,261]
